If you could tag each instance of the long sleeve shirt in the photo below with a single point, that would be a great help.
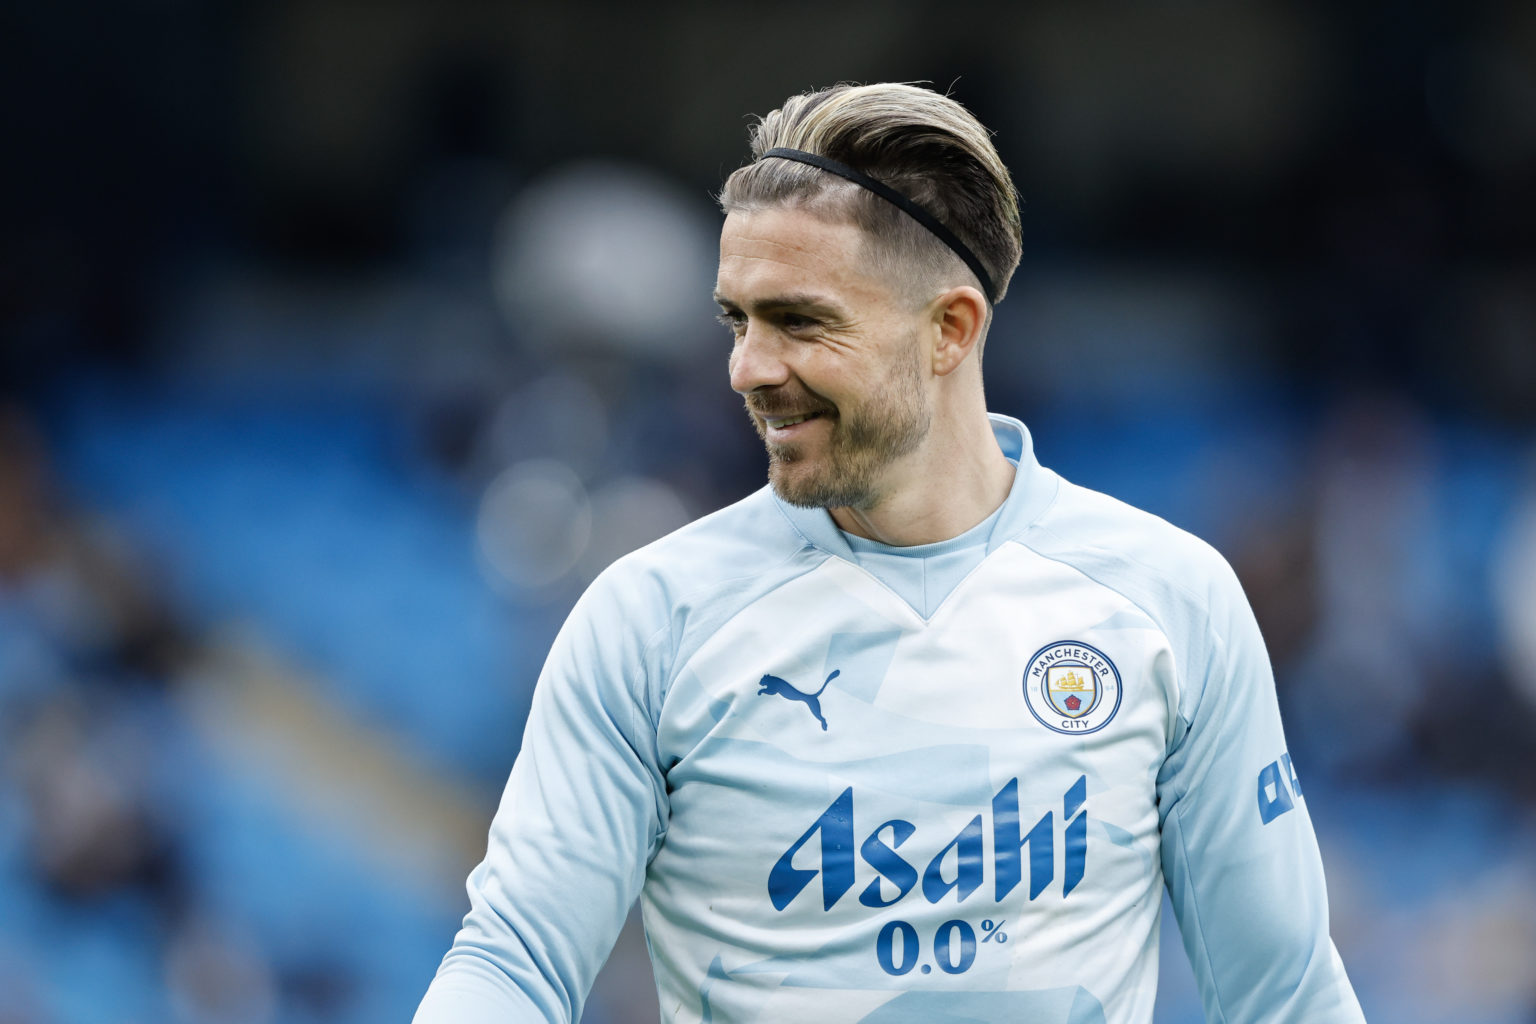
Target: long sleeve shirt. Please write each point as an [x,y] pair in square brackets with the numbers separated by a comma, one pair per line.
[950,783]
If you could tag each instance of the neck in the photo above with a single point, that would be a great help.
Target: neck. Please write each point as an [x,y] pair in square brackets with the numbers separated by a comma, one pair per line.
[940,491]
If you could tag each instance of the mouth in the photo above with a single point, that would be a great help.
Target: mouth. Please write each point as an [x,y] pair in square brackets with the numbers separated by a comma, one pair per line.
[784,422]
[788,419]
[785,428]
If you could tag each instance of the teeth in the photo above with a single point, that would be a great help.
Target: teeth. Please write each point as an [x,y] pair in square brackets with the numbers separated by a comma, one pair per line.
[786,421]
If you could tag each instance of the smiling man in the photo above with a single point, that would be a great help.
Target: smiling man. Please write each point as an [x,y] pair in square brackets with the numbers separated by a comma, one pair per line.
[863,396]
[920,731]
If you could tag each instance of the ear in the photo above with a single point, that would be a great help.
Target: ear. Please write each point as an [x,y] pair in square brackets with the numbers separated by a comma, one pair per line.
[960,320]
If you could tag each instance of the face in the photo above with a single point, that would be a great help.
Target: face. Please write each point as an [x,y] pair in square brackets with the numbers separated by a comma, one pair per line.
[827,357]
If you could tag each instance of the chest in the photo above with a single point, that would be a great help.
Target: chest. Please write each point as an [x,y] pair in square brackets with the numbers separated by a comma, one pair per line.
[828,720]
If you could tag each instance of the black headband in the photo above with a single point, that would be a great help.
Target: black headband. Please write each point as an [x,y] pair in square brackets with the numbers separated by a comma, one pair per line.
[889,194]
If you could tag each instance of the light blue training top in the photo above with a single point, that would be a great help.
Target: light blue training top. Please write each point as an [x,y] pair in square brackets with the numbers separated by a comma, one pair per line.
[854,783]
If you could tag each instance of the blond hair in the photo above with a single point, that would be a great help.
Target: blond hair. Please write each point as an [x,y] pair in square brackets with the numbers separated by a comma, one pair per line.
[925,146]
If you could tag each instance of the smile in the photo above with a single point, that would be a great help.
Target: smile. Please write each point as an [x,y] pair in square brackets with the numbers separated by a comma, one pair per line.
[780,422]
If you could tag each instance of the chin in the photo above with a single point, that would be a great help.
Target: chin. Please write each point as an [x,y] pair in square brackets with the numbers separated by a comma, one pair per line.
[796,483]
[803,485]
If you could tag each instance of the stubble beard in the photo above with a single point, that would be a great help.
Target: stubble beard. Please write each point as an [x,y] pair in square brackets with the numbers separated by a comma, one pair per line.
[892,421]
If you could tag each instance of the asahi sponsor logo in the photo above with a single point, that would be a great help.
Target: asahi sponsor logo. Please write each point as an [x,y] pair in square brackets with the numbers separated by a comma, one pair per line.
[836,850]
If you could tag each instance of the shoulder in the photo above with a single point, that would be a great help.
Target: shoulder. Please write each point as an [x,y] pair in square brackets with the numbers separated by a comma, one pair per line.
[1124,541]
[741,540]
[1178,580]
[701,573]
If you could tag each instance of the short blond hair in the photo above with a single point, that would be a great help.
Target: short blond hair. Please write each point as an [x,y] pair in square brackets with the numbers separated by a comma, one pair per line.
[922,144]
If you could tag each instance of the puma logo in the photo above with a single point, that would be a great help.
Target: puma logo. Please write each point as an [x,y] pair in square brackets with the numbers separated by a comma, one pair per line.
[787,690]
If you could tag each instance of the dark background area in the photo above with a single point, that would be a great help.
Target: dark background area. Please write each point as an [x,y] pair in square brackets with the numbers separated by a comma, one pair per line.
[341,344]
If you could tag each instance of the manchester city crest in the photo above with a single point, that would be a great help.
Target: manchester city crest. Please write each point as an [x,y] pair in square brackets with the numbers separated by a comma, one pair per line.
[1072,688]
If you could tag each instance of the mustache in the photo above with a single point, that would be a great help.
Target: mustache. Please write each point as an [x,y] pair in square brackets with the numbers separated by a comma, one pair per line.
[781,403]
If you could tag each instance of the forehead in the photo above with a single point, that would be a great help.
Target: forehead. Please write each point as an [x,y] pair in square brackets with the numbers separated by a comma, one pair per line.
[783,251]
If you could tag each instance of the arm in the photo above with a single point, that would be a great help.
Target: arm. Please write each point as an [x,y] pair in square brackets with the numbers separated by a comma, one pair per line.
[581,815]
[1239,854]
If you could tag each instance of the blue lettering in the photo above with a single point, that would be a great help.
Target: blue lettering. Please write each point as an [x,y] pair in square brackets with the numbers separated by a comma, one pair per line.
[885,948]
[969,854]
[1290,774]
[1007,845]
[896,877]
[836,827]
[888,862]
[1077,834]
[1274,797]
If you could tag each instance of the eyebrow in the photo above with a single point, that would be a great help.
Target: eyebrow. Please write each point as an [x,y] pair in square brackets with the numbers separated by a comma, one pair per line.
[808,301]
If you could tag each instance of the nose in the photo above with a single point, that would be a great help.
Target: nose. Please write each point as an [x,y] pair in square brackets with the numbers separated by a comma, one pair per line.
[757,360]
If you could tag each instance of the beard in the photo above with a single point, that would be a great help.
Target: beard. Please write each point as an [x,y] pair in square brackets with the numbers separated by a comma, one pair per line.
[864,438]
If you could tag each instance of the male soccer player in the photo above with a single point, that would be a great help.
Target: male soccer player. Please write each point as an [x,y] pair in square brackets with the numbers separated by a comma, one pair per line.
[920,731]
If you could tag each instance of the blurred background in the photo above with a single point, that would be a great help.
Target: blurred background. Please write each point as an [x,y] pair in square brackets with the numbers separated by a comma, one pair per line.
[343,343]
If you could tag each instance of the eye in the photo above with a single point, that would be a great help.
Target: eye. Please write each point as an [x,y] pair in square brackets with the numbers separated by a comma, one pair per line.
[732,320]
[796,322]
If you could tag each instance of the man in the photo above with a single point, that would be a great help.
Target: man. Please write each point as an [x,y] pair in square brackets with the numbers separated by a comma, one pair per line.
[920,732]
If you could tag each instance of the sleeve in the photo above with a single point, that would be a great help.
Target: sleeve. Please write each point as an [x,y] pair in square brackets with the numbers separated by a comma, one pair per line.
[582,813]
[1239,854]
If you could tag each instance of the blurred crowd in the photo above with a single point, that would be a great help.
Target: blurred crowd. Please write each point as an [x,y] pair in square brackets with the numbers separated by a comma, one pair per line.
[339,350]
[140,878]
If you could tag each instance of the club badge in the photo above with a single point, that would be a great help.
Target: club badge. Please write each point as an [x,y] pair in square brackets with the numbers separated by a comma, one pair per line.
[1072,688]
